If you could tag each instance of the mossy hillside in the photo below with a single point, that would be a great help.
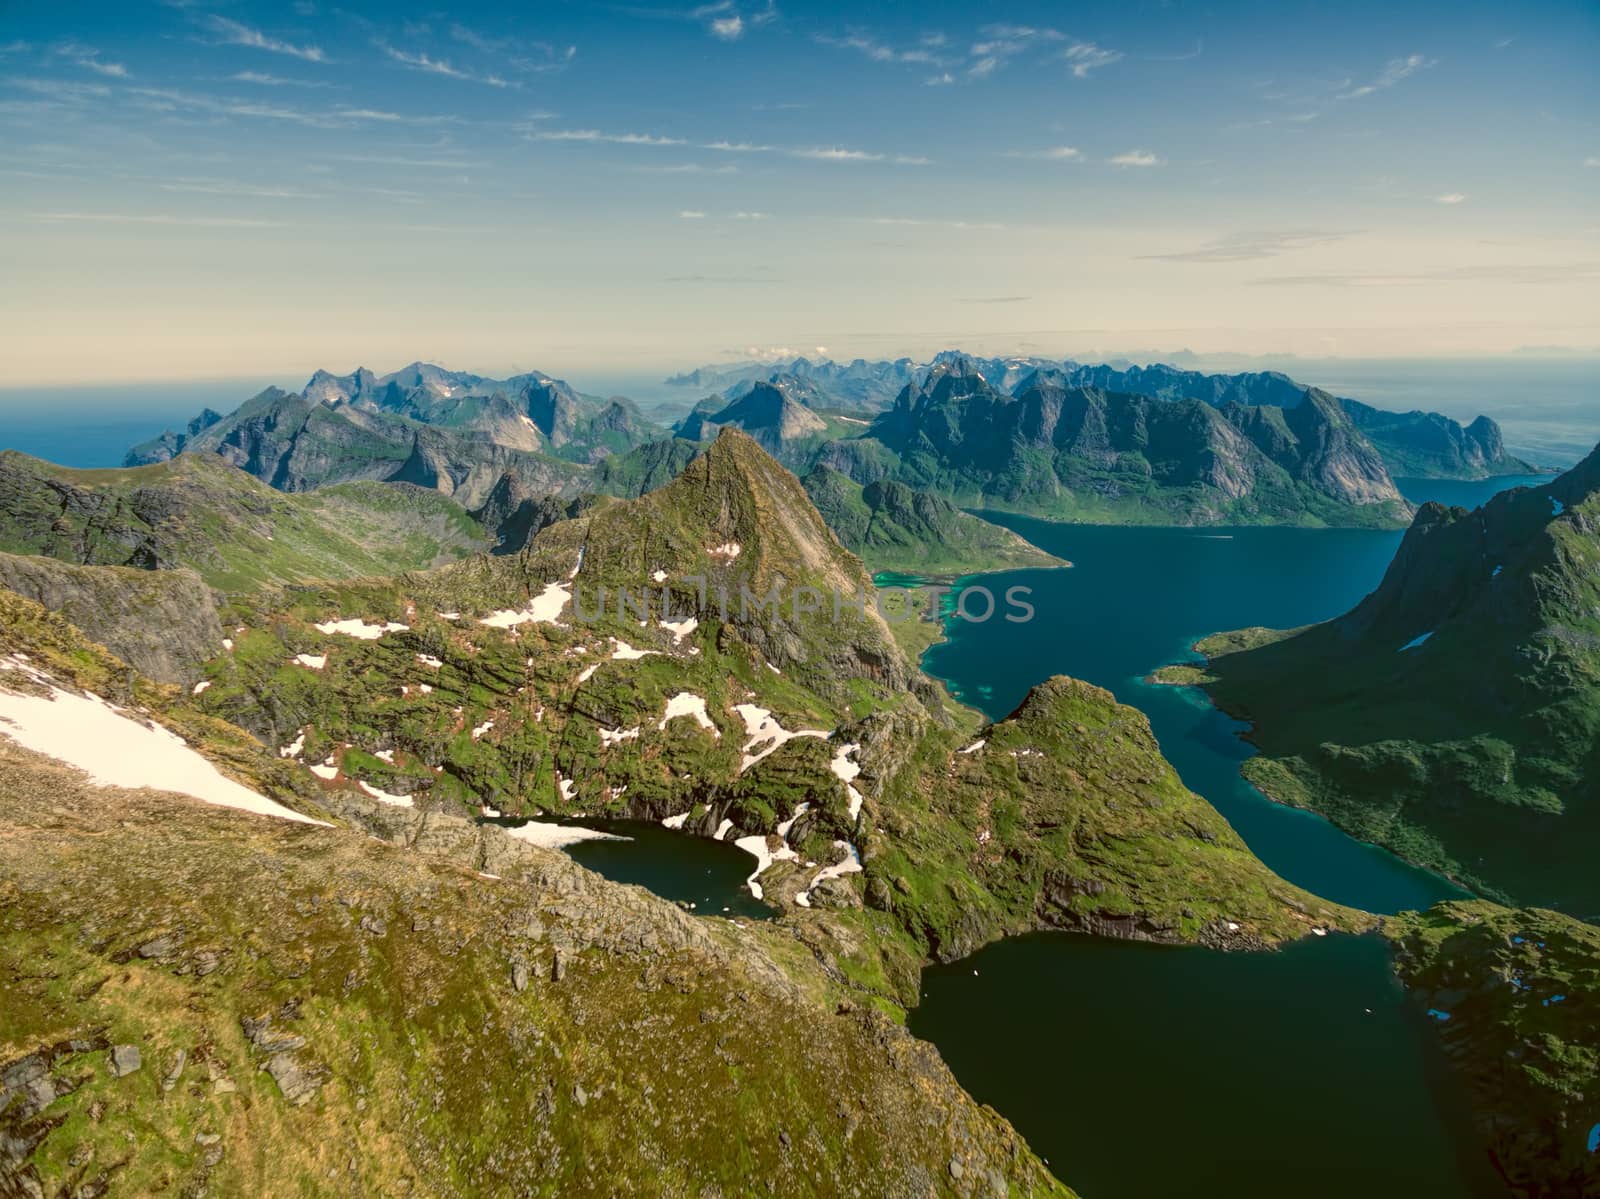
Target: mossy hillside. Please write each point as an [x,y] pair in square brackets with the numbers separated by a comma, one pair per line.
[357,1019]
[236,533]
[1515,998]
[1067,816]
[1452,716]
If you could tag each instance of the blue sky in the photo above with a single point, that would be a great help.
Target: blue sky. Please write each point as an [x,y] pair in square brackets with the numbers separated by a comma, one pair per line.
[197,188]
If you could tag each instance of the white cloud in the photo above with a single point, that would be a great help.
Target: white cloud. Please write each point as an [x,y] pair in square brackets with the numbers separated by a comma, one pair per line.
[751,216]
[1393,73]
[1252,244]
[728,147]
[1054,154]
[1084,57]
[595,135]
[266,80]
[1135,158]
[233,33]
[88,58]
[943,79]
[440,66]
[1592,161]
[837,154]
[1450,198]
[690,214]
[728,29]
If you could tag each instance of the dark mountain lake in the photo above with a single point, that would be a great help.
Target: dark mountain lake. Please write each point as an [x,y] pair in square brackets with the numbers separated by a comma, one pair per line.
[1153,1071]
[676,866]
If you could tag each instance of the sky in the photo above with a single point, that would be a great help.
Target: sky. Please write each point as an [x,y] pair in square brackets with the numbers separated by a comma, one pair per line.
[205,188]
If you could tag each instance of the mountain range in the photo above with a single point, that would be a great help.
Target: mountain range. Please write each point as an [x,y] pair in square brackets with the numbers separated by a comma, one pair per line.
[423,714]
[1412,444]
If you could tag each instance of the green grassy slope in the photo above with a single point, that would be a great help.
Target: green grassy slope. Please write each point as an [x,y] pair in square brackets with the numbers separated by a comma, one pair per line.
[237,533]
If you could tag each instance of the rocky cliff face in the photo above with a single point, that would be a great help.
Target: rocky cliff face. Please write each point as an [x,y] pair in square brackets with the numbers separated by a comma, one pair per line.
[1430,446]
[780,425]
[460,430]
[162,623]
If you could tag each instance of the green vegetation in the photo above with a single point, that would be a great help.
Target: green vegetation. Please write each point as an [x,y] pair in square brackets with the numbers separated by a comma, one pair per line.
[1453,715]
[236,533]
[1515,996]
[895,528]
[314,1012]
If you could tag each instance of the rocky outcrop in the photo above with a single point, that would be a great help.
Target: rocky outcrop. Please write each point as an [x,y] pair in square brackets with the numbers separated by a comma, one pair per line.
[1428,445]
[162,623]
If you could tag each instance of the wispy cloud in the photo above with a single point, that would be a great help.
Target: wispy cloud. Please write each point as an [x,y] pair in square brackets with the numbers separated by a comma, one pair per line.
[1529,273]
[132,218]
[684,168]
[1592,161]
[227,188]
[993,299]
[1084,57]
[924,51]
[88,58]
[1053,154]
[595,135]
[422,61]
[233,33]
[751,216]
[691,214]
[836,154]
[932,223]
[1135,158]
[1396,70]
[263,79]
[1252,244]
[727,147]
[1450,198]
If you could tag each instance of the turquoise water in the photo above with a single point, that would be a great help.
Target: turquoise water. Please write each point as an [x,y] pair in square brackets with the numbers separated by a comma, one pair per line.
[1464,494]
[1143,1070]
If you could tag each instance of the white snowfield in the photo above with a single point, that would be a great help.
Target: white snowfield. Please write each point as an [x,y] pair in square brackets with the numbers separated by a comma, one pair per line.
[542,609]
[312,661]
[764,855]
[116,749]
[559,836]
[686,703]
[360,629]
[846,771]
[398,801]
[618,736]
[626,653]
[679,628]
[760,727]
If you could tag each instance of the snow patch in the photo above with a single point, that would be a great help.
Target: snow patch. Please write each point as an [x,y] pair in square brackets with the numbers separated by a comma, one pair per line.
[292,750]
[659,576]
[542,609]
[846,771]
[360,629]
[686,703]
[757,847]
[976,746]
[430,661]
[760,728]
[312,661]
[728,549]
[587,673]
[483,728]
[679,628]
[397,801]
[558,836]
[626,653]
[618,736]
[676,821]
[116,750]
[200,687]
